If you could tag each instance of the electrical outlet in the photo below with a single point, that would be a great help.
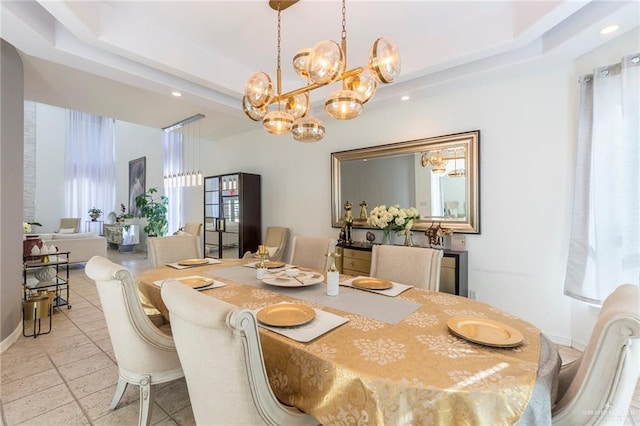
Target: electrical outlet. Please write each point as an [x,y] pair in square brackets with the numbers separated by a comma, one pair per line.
[473,294]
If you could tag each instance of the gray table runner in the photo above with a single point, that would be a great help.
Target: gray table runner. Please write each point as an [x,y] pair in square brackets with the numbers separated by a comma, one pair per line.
[375,306]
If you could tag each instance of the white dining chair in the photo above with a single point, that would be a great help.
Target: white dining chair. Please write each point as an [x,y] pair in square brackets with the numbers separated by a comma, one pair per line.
[221,354]
[597,387]
[310,252]
[416,266]
[145,355]
[173,248]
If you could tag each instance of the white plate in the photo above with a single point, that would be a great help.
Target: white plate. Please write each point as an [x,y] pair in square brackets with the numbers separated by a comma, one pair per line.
[282,280]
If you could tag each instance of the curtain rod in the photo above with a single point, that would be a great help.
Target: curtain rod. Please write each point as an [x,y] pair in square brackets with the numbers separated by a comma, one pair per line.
[183,123]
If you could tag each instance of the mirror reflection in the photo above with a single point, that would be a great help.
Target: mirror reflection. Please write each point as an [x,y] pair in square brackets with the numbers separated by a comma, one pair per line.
[438,176]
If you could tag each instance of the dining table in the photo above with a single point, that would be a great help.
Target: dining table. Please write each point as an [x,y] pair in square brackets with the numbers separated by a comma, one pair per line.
[394,359]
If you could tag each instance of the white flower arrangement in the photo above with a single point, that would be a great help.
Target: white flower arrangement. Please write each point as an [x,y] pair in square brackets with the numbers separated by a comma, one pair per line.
[26,227]
[393,218]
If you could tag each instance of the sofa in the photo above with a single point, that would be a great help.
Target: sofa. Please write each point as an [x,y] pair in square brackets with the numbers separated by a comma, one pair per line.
[81,246]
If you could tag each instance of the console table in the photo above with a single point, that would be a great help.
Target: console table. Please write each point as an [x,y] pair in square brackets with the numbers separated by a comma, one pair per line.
[356,260]
[123,236]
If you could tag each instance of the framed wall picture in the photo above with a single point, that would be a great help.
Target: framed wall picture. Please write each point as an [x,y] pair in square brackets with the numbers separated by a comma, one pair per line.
[137,182]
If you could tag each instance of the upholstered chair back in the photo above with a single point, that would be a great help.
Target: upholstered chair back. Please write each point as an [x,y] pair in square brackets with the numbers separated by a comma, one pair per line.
[193,228]
[145,355]
[277,237]
[70,223]
[597,388]
[416,266]
[310,252]
[173,248]
[221,355]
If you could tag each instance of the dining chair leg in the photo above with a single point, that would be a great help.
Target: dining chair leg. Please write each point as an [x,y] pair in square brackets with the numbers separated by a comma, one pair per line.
[146,400]
[122,386]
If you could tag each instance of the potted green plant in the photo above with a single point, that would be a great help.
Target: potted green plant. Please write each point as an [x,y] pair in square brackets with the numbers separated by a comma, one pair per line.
[94,213]
[155,211]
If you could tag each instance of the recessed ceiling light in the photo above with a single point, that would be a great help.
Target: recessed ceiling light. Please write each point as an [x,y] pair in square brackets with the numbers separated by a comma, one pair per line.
[609,29]
[176,93]
[405,98]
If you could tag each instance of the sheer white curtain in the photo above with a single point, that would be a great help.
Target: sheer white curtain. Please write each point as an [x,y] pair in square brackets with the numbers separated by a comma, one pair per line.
[604,249]
[89,166]
[172,144]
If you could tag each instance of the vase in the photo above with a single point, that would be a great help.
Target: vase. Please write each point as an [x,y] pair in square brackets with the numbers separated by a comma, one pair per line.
[27,246]
[408,239]
[386,237]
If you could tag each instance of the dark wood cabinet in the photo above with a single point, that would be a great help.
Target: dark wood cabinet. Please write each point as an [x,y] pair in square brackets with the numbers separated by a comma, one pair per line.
[232,215]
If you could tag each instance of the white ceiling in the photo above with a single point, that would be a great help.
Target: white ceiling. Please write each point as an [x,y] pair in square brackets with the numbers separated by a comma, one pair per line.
[123,58]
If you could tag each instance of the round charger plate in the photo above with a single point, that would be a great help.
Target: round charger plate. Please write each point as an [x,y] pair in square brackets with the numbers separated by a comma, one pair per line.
[271,264]
[282,280]
[196,282]
[285,315]
[372,283]
[193,262]
[485,332]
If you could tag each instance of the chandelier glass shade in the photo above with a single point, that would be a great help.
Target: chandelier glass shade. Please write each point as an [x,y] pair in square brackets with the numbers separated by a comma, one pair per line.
[321,65]
[278,122]
[308,129]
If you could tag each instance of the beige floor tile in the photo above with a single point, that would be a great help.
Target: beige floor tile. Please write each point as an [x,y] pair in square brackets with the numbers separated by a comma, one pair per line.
[67,415]
[18,369]
[185,417]
[85,366]
[167,421]
[174,397]
[96,324]
[36,404]
[96,405]
[99,334]
[129,416]
[69,342]
[66,356]
[104,344]
[20,388]
[94,382]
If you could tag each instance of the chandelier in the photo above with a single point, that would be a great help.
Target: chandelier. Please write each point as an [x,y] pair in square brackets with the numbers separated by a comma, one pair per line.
[188,173]
[321,65]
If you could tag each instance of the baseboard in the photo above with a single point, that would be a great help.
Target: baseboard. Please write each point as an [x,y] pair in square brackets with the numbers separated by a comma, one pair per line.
[11,339]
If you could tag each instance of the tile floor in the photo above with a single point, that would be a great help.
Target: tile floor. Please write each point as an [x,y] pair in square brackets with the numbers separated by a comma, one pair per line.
[68,377]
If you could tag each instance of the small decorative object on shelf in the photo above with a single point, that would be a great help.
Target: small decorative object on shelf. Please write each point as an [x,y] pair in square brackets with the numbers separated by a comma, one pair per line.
[371,237]
[46,273]
[348,222]
[94,213]
[363,210]
[436,235]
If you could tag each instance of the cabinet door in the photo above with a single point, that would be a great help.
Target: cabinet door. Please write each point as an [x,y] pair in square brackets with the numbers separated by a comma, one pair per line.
[212,237]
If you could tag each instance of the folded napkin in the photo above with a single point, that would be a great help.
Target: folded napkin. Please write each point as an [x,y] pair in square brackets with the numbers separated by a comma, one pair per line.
[214,284]
[321,324]
[392,292]
[176,266]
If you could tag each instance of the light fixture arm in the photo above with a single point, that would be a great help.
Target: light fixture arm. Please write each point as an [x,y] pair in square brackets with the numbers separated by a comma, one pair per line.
[314,86]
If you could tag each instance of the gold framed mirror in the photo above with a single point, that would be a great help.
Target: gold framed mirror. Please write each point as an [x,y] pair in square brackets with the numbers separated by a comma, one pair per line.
[439,176]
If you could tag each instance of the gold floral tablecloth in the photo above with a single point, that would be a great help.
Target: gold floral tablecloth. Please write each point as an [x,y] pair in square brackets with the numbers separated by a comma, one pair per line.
[370,372]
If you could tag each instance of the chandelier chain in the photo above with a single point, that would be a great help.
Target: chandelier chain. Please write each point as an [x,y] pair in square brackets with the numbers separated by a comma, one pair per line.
[279,38]
[344,20]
